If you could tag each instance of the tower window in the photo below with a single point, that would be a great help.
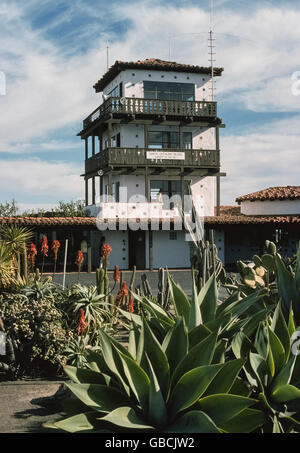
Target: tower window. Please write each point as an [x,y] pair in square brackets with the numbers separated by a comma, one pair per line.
[173,236]
[169,91]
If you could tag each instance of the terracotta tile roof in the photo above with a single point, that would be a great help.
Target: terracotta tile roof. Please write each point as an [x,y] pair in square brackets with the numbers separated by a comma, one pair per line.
[253,220]
[151,64]
[48,221]
[229,210]
[273,193]
[91,221]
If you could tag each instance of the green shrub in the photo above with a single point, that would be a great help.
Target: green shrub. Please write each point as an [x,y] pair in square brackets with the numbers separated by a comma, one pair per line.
[37,328]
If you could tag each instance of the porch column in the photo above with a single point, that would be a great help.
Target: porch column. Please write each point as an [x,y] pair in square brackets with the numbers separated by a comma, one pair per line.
[182,189]
[150,250]
[89,252]
[93,145]
[109,187]
[109,134]
[93,190]
[180,137]
[218,195]
[147,184]
[146,137]
[86,191]
[86,148]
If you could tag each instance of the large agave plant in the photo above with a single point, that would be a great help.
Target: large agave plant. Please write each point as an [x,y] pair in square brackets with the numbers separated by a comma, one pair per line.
[273,371]
[97,312]
[7,267]
[176,386]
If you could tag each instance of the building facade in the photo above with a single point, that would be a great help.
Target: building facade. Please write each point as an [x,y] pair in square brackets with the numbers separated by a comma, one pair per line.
[152,142]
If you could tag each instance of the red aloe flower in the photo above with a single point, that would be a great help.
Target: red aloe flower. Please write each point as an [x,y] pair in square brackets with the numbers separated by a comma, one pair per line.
[55,247]
[32,254]
[130,307]
[81,322]
[106,250]
[79,259]
[122,294]
[45,247]
[116,274]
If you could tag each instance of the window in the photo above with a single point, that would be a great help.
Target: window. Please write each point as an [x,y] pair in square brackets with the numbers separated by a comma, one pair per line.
[169,91]
[163,139]
[173,236]
[163,190]
[188,140]
[116,92]
[168,139]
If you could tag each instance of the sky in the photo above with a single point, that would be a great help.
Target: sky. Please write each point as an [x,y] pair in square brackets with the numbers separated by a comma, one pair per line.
[52,52]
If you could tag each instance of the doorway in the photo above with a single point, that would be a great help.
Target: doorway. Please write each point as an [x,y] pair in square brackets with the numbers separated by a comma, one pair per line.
[137,249]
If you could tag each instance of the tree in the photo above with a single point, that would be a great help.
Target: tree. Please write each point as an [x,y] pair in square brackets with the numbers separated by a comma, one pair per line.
[8,209]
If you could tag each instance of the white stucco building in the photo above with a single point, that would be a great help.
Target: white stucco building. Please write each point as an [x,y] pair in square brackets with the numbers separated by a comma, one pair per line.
[273,201]
[153,140]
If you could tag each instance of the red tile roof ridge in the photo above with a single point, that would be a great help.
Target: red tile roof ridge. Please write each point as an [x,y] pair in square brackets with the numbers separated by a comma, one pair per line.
[272,193]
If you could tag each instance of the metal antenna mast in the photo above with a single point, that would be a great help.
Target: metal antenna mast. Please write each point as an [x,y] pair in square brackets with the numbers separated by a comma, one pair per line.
[107,61]
[212,47]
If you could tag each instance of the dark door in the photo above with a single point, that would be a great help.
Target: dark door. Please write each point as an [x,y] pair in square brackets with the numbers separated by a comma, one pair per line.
[137,249]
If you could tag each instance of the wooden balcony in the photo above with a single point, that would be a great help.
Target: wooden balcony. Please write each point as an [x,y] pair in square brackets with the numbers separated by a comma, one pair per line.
[151,108]
[145,157]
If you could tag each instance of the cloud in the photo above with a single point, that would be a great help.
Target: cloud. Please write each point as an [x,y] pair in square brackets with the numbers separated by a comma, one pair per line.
[50,77]
[37,181]
[263,157]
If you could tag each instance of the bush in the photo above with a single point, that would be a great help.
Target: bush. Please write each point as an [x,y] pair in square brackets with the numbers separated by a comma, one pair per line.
[37,328]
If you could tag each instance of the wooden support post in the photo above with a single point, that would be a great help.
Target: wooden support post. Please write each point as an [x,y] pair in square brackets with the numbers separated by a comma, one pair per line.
[217,138]
[181,138]
[86,148]
[93,145]
[218,195]
[93,190]
[109,187]
[89,253]
[182,189]
[146,136]
[86,192]
[150,250]
[109,134]
[147,184]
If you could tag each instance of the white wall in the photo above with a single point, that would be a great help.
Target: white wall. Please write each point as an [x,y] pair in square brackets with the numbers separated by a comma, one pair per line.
[276,207]
[170,253]
[133,79]
[118,240]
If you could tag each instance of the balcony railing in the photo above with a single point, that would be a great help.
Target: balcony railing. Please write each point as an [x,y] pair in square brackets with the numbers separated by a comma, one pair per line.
[141,106]
[130,157]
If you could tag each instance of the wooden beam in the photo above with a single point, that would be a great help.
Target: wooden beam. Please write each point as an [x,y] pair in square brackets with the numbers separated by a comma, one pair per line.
[86,192]
[218,196]
[93,190]
[150,250]
[86,148]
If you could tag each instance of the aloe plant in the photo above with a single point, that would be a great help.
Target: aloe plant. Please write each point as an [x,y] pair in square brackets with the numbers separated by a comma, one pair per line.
[171,387]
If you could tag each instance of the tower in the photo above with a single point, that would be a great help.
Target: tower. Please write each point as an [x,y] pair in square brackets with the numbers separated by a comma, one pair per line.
[154,137]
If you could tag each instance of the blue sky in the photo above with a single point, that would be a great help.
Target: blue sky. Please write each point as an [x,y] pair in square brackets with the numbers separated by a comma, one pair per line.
[52,52]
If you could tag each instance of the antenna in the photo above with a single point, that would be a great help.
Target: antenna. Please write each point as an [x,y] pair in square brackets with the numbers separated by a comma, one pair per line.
[212,47]
[107,60]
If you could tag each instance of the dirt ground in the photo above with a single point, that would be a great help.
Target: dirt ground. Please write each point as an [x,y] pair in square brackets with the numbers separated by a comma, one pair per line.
[25,405]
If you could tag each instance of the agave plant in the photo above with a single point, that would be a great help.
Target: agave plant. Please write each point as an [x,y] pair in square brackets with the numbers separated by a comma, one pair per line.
[171,387]
[97,312]
[272,370]
[7,267]
[202,312]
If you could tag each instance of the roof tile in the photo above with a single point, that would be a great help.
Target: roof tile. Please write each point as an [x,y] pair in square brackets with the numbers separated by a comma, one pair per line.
[273,193]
